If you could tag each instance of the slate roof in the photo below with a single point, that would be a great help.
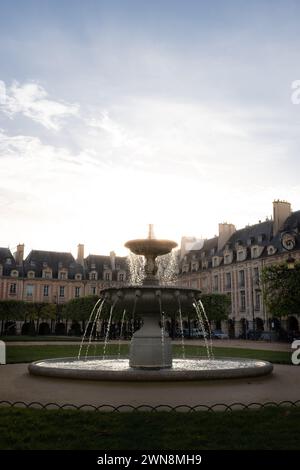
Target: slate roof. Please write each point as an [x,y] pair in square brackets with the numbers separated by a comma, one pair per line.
[260,234]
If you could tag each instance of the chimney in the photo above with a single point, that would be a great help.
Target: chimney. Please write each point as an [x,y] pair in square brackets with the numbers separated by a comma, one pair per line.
[281,211]
[80,254]
[112,255]
[225,232]
[19,254]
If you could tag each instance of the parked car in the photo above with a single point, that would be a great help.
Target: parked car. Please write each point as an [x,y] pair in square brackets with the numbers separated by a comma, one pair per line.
[269,336]
[253,334]
[219,334]
[193,333]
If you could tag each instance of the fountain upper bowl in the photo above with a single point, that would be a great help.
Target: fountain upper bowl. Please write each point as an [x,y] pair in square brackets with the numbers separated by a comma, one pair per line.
[150,246]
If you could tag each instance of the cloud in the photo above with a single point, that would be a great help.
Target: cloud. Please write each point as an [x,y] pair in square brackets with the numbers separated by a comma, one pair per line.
[31,100]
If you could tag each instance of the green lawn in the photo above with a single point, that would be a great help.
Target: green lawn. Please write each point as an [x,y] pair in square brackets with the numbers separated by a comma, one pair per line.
[270,428]
[25,338]
[31,353]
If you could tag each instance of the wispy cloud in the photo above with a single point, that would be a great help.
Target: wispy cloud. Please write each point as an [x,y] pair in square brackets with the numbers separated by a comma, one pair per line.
[31,100]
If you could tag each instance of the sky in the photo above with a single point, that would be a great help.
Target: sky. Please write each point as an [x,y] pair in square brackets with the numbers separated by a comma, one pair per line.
[117,114]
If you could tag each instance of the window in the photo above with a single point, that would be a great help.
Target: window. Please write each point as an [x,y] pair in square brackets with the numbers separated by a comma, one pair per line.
[13,288]
[62,275]
[121,277]
[8,261]
[93,290]
[228,280]
[227,259]
[30,274]
[256,276]
[61,291]
[46,291]
[257,300]
[78,277]
[14,273]
[254,252]
[242,278]
[242,301]
[107,276]
[93,276]
[29,290]
[216,283]
[77,291]
[47,274]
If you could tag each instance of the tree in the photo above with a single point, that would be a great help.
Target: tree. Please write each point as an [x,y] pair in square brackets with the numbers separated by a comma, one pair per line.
[281,289]
[217,306]
[80,309]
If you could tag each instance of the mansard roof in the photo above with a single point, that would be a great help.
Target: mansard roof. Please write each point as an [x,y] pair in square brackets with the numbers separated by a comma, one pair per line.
[37,260]
[6,254]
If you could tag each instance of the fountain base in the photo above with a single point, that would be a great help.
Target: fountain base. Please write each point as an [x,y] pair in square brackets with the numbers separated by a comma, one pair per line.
[150,347]
[111,369]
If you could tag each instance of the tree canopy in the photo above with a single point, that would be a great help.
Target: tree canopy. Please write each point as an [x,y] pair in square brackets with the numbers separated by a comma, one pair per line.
[217,306]
[281,289]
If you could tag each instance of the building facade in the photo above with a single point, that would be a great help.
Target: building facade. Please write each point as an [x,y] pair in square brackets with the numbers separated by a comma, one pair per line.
[231,263]
[55,277]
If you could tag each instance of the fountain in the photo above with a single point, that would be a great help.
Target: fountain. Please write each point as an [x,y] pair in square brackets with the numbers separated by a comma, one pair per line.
[150,356]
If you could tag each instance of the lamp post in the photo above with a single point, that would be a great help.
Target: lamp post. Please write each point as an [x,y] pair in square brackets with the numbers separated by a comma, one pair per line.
[290,262]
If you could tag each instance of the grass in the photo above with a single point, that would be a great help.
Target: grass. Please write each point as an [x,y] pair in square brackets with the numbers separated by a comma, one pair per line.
[17,354]
[270,428]
[25,338]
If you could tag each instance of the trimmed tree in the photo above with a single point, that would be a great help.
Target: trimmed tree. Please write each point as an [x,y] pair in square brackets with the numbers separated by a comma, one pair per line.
[217,306]
[281,289]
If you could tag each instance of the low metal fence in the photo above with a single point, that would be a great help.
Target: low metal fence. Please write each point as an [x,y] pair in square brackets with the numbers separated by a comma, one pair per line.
[237,406]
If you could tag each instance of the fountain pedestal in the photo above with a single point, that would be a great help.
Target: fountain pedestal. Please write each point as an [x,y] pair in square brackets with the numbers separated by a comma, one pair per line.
[150,348]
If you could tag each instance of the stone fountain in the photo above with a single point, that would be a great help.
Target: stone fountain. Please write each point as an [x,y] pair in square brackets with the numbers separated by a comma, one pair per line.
[150,356]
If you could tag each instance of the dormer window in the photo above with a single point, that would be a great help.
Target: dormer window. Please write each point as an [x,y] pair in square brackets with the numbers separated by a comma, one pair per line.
[47,274]
[78,277]
[271,250]
[60,265]
[254,252]
[93,276]
[241,255]
[93,266]
[250,241]
[31,274]
[45,264]
[212,251]
[121,277]
[204,264]
[228,258]
[194,266]
[203,254]
[14,273]
[8,261]
[261,237]
[215,261]
[62,275]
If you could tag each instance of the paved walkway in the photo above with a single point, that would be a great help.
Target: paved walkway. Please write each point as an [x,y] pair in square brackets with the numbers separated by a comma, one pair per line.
[17,384]
[236,343]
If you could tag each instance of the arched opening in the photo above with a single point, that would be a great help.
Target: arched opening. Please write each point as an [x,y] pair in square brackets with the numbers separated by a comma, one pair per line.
[75,329]
[259,324]
[293,324]
[28,328]
[231,328]
[10,328]
[44,329]
[60,329]
[243,328]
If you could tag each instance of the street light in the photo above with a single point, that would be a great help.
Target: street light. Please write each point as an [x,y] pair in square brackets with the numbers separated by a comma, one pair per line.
[290,262]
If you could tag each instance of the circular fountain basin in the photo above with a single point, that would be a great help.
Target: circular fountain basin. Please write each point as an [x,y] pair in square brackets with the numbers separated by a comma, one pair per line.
[112,369]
